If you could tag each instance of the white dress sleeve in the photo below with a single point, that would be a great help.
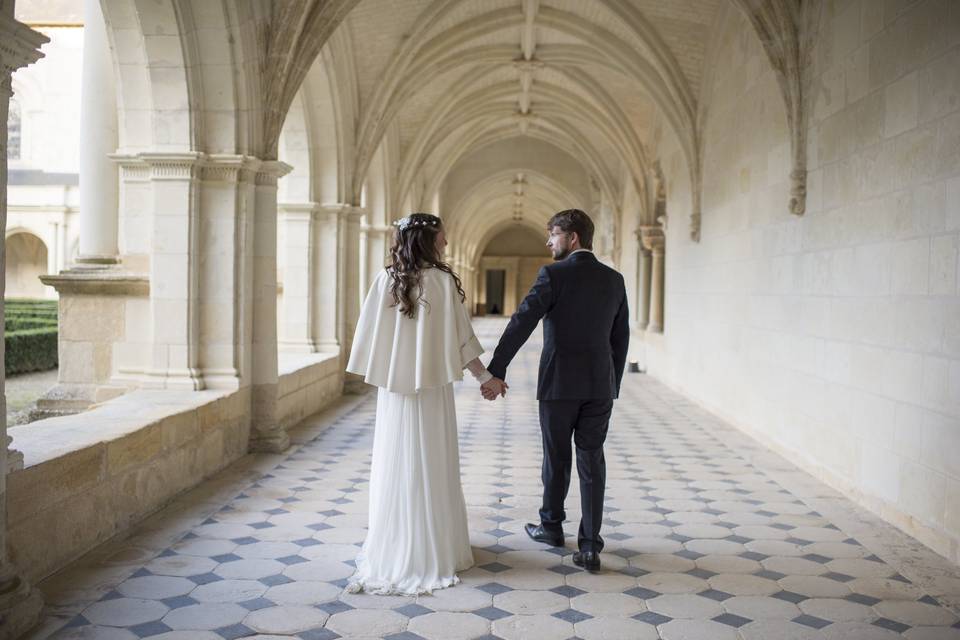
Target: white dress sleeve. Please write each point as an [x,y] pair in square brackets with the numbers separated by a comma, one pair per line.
[404,355]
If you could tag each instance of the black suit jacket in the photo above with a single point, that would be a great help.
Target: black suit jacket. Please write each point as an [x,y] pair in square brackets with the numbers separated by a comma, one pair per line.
[586,330]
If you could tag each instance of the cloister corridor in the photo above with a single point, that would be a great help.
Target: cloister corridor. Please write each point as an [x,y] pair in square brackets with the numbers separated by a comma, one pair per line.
[207,189]
[709,537]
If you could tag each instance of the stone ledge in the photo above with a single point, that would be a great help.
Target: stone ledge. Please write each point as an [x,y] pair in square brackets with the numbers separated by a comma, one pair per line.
[98,281]
[102,470]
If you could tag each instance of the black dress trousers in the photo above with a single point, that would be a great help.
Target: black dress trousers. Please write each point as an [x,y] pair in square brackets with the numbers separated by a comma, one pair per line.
[586,422]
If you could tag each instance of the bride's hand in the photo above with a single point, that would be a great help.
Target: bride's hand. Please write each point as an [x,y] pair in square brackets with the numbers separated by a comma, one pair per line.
[494,387]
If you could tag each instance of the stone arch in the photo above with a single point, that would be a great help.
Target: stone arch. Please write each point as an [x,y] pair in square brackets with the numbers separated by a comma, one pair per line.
[295,150]
[155,106]
[328,112]
[786,30]
[26,261]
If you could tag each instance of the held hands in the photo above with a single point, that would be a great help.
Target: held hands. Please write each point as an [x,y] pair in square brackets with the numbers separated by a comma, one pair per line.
[492,388]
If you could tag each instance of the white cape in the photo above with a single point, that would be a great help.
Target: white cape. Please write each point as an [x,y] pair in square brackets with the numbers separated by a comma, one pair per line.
[404,355]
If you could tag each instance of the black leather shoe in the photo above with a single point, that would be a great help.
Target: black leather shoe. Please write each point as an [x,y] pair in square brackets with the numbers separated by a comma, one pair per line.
[589,560]
[536,532]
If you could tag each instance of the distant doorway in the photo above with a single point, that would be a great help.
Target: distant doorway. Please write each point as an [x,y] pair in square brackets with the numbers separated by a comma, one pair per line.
[496,281]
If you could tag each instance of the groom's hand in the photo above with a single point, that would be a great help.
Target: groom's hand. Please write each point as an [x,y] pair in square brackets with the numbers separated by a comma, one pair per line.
[493,387]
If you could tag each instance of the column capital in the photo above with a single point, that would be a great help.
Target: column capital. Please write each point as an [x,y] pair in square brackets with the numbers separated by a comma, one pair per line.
[225,167]
[19,46]
[298,211]
[353,213]
[172,165]
[214,167]
[652,237]
[336,208]
[270,170]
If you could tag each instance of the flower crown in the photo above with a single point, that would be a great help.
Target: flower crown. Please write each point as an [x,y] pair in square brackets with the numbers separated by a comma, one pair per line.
[408,221]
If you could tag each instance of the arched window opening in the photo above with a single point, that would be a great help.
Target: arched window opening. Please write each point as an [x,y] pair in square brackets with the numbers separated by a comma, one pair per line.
[14,118]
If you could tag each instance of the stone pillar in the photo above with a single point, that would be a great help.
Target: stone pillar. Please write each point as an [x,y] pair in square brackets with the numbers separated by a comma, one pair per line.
[351,272]
[20,603]
[174,270]
[53,251]
[227,210]
[379,239]
[266,433]
[299,284]
[655,243]
[643,285]
[63,250]
[325,265]
[98,131]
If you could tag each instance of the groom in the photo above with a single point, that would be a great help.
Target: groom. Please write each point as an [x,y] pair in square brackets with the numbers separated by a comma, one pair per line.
[585,335]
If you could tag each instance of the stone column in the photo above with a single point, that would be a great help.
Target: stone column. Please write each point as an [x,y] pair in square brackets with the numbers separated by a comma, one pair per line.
[20,603]
[325,265]
[643,284]
[266,432]
[174,270]
[98,139]
[299,285]
[351,273]
[62,249]
[53,252]
[654,241]
[379,239]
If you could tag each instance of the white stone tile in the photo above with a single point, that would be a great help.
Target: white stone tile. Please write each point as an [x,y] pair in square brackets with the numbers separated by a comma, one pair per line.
[837,610]
[252,569]
[614,629]
[367,623]
[155,587]
[761,608]
[320,570]
[607,604]
[685,606]
[286,619]
[303,592]
[180,565]
[124,612]
[449,625]
[531,602]
[697,630]
[207,616]
[664,582]
[229,591]
[539,626]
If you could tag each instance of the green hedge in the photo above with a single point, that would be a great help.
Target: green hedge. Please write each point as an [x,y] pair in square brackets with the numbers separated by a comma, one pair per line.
[30,332]
[31,350]
[21,324]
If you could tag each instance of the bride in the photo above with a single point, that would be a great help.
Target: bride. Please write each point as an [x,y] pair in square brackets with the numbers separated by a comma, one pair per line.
[413,341]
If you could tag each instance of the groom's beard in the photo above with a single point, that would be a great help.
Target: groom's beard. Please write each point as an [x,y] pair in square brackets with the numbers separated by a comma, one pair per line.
[561,254]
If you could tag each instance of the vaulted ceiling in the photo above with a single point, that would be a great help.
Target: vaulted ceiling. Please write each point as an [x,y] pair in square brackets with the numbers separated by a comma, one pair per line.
[504,111]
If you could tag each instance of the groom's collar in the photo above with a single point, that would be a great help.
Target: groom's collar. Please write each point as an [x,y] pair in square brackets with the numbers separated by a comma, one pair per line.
[580,254]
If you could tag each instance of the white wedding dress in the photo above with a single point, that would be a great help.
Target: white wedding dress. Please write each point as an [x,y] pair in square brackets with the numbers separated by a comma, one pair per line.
[417,538]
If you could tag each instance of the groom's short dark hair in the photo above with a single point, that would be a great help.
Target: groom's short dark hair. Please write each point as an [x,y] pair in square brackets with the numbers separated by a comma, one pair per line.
[574,220]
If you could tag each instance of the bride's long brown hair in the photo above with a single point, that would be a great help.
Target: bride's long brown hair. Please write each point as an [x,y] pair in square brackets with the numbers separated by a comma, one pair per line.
[415,249]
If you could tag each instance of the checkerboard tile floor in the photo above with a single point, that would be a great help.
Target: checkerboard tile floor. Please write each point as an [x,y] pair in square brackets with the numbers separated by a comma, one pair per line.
[703,542]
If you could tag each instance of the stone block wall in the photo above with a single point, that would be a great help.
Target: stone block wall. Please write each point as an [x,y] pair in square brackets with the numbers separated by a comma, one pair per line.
[307,383]
[833,337]
[90,476]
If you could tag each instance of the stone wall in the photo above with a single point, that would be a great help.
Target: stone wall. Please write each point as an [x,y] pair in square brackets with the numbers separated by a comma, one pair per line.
[107,468]
[833,337]
[90,476]
[307,383]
